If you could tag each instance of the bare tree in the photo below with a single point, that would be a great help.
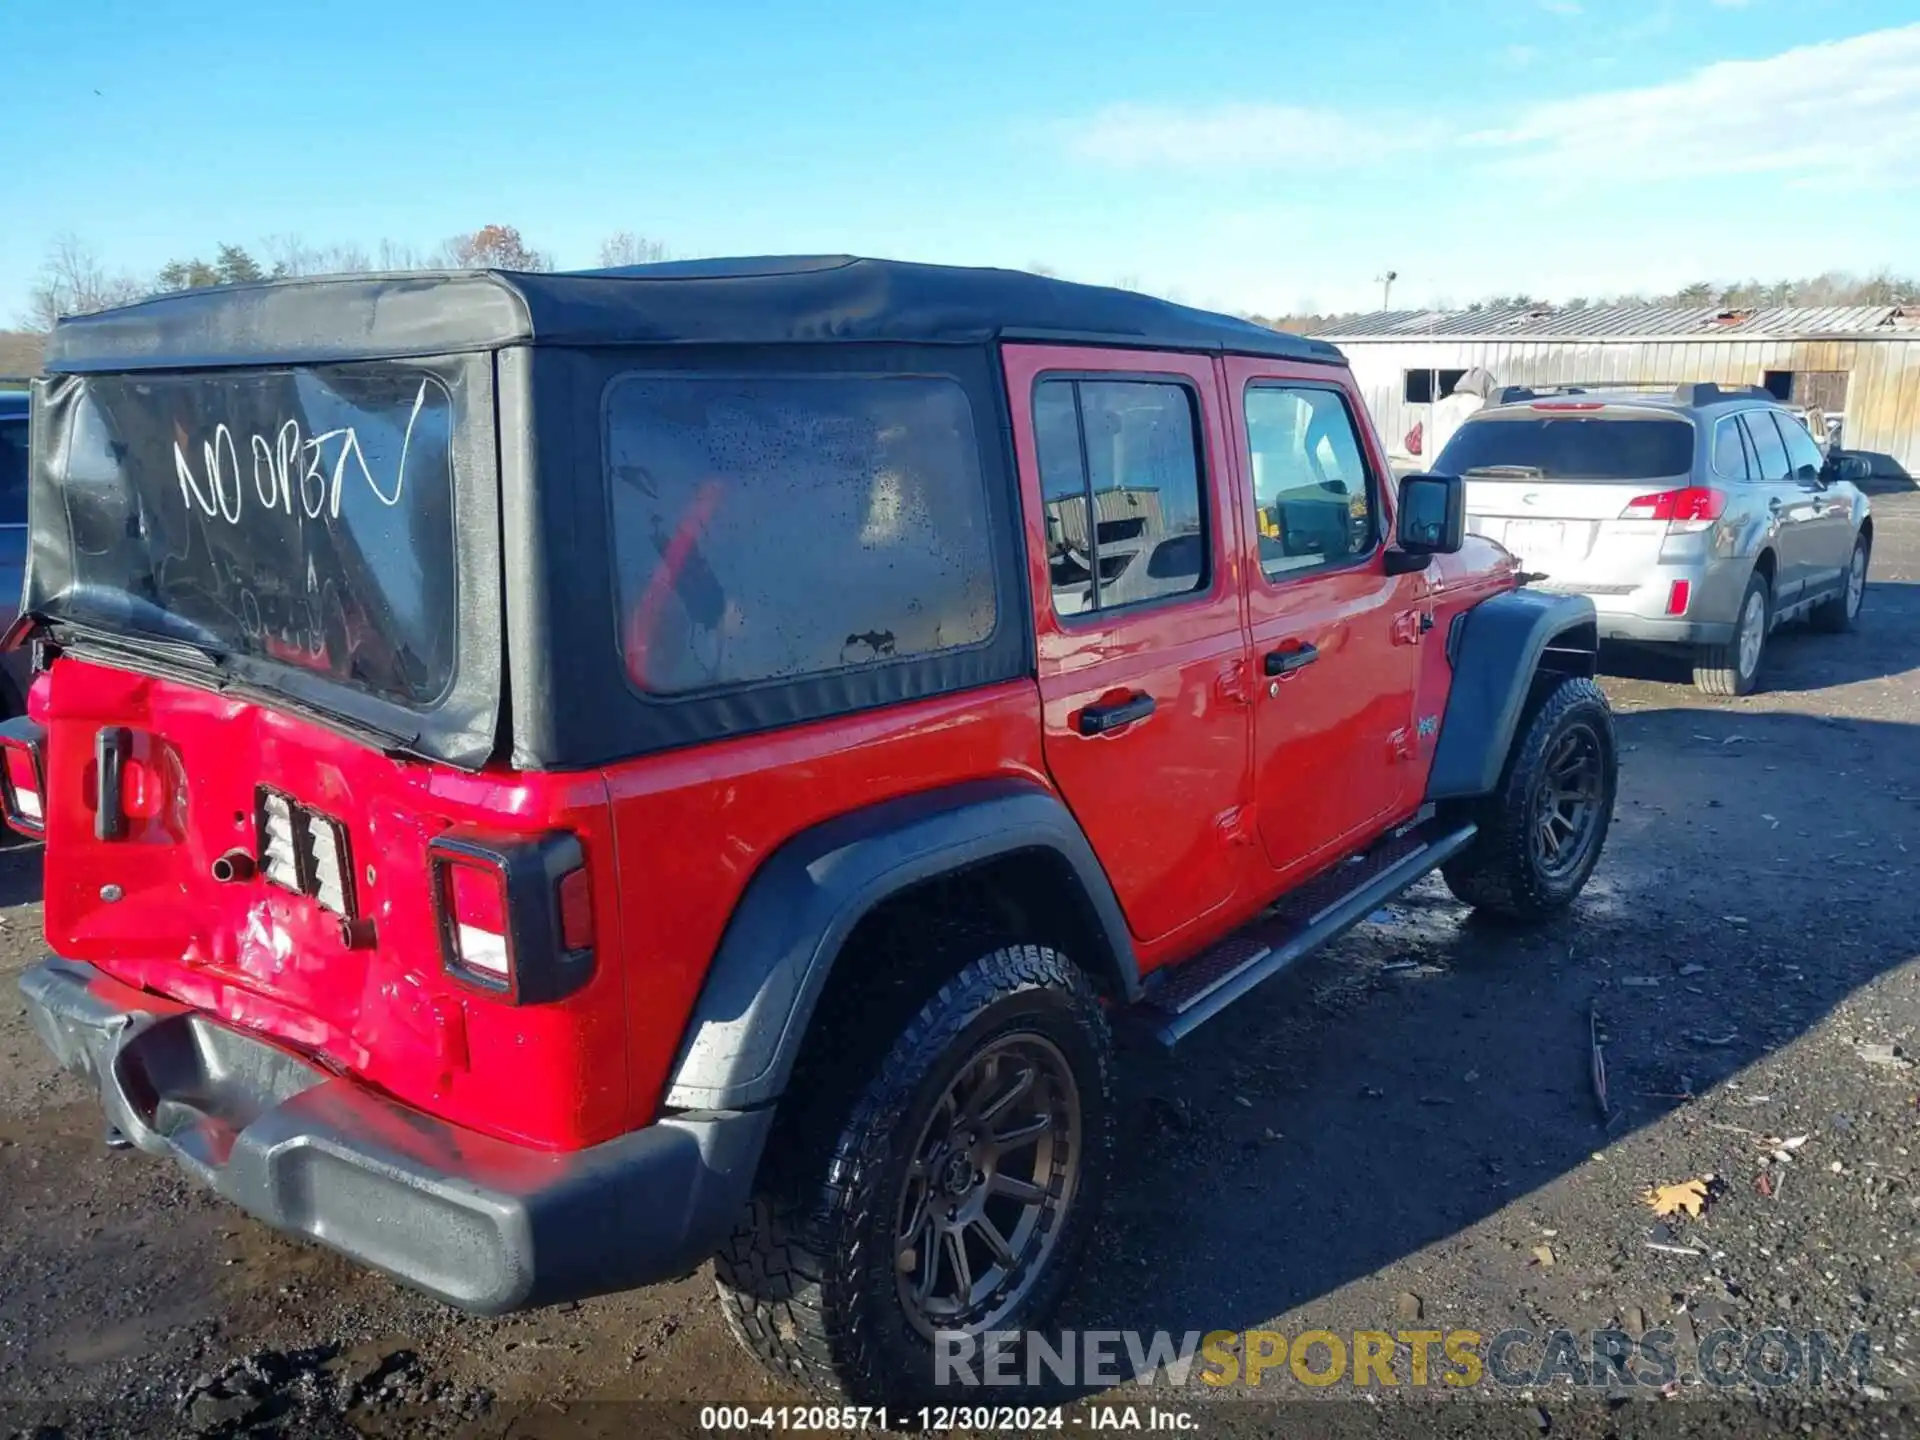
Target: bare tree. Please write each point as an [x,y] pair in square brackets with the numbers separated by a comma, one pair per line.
[1886,289]
[397,255]
[74,281]
[289,255]
[623,247]
[495,247]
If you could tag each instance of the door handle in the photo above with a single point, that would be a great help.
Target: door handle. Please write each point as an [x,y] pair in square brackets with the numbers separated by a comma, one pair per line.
[110,747]
[1774,504]
[1285,662]
[1100,719]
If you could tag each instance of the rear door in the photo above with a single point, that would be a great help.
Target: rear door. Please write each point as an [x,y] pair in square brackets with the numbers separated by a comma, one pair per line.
[1336,640]
[1140,635]
[1790,506]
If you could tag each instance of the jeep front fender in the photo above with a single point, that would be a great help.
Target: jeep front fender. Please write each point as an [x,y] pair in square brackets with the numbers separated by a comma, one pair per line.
[1496,649]
[801,905]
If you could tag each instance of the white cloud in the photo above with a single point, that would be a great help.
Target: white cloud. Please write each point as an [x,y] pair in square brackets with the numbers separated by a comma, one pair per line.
[1841,108]
[1267,136]
[1837,112]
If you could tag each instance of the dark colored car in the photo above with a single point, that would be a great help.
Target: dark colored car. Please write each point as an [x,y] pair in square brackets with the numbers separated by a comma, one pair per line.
[551,779]
[13,539]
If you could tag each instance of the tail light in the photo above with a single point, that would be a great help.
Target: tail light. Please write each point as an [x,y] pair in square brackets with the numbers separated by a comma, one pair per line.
[1678,596]
[1692,508]
[1568,405]
[1416,437]
[24,792]
[515,916]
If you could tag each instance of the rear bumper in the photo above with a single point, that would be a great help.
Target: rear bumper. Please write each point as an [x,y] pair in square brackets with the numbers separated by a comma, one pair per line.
[1634,605]
[1616,625]
[478,1222]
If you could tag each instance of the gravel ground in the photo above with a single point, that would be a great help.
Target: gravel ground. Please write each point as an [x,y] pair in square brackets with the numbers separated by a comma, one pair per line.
[1402,1134]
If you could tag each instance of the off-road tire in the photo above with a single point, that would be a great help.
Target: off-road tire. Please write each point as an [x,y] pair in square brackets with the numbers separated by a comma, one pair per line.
[807,1280]
[1838,615]
[1718,669]
[1500,871]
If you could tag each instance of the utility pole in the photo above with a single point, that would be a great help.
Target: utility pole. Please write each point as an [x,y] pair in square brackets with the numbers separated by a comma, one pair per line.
[1386,289]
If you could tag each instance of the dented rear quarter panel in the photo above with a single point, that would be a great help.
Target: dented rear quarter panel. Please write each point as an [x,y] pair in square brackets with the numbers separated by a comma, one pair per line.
[552,1076]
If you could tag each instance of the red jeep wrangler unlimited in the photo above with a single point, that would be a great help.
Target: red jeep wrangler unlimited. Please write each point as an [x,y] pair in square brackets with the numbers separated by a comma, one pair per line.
[550,779]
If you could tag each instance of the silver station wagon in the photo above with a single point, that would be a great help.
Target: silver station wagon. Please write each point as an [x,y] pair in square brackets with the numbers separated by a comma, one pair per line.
[1701,516]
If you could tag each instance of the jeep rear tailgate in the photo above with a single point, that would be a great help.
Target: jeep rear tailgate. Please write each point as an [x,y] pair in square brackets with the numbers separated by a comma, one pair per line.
[322,928]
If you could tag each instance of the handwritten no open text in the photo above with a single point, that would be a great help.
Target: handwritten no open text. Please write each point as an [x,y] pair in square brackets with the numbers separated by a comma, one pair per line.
[284,463]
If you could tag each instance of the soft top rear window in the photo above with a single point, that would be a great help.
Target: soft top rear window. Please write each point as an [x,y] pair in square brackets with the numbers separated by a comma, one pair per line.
[1572,447]
[302,516]
[771,527]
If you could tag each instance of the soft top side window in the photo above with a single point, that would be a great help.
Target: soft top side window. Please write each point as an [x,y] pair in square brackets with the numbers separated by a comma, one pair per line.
[1120,483]
[778,526]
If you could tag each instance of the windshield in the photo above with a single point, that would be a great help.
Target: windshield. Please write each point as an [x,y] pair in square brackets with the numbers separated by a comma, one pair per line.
[1571,447]
[302,516]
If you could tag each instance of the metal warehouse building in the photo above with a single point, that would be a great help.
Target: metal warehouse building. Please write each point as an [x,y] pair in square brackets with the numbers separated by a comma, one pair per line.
[1860,363]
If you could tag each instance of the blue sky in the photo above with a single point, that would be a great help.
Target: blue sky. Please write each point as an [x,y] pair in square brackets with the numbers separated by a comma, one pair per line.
[1272,156]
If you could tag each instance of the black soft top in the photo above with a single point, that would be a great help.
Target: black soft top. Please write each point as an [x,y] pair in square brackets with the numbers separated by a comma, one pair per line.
[769,300]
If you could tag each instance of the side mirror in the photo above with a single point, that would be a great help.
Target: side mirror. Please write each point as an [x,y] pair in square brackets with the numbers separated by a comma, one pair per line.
[1841,466]
[1433,515]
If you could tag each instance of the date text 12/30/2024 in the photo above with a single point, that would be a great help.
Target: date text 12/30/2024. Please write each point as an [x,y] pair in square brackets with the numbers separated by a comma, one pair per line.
[1010,1419]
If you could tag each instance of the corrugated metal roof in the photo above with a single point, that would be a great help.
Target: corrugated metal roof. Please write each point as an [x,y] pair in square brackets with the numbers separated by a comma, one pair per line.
[1625,322]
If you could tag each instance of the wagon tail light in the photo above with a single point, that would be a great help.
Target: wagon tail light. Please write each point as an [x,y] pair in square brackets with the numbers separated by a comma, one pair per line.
[515,915]
[1693,508]
[23,786]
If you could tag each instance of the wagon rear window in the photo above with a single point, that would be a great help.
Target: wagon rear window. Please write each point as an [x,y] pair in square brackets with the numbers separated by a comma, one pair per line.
[1573,447]
[772,527]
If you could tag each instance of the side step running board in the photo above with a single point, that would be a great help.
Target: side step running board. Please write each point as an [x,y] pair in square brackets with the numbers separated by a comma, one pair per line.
[1189,994]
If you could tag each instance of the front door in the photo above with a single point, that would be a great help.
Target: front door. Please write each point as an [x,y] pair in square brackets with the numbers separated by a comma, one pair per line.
[1829,526]
[1142,650]
[1336,639]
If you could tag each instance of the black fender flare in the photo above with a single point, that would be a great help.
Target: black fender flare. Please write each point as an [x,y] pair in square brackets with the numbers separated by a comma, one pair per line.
[1496,649]
[797,911]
